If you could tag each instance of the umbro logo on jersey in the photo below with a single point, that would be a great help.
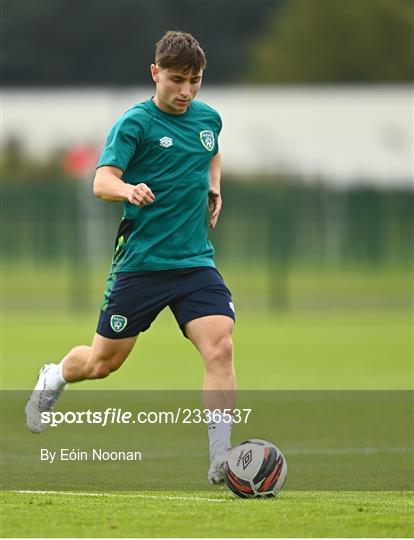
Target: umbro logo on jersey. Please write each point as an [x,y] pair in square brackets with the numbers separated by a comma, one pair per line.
[207,139]
[166,142]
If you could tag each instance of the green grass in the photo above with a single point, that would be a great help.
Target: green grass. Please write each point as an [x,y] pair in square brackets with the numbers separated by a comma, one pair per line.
[323,342]
[293,514]
[30,288]
[298,351]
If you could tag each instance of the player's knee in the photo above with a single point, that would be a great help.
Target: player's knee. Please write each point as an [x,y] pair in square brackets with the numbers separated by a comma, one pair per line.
[101,370]
[102,367]
[221,354]
[225,348]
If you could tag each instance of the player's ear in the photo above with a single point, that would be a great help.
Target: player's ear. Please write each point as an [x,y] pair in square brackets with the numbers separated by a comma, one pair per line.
[155,70]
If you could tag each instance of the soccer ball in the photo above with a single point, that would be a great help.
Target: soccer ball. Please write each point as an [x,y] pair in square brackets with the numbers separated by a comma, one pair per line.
[255,468]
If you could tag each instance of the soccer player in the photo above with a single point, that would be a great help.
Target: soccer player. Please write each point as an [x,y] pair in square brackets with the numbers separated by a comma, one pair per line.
[162,160]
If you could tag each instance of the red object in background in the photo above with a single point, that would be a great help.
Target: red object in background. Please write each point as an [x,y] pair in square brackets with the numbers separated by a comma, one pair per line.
[80,161]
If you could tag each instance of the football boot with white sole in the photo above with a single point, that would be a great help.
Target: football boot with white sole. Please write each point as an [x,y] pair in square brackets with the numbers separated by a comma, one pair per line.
[42,399]
[217,470]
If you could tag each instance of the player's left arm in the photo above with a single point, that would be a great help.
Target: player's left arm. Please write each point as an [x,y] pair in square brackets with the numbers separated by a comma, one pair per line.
[214,195]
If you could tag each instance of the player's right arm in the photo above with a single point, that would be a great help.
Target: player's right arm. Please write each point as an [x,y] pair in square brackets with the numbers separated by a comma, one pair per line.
[109,186]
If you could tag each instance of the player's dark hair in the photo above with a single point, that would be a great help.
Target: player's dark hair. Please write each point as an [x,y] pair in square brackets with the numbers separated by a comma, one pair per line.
[180,51]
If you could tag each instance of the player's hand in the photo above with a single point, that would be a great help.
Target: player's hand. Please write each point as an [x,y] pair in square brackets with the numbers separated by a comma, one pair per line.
[140,195]
[214,206]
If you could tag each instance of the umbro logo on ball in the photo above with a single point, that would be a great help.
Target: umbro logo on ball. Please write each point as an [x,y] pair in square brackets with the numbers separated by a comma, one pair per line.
[247,458]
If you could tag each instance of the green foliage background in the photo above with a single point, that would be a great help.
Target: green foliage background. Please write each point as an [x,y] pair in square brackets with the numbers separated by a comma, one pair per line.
[320,41]
[88,42]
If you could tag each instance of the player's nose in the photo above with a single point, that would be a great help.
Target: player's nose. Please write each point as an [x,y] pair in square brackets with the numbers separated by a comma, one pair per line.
[185,91]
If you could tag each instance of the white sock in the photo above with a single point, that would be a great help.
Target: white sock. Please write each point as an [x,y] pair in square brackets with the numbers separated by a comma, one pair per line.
[219,433]
[54,377]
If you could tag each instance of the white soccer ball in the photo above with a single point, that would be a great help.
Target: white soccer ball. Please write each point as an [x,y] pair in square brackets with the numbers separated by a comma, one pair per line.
[255,468]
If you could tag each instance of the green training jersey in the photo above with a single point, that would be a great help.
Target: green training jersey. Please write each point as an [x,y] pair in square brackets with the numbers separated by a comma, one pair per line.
[171,154]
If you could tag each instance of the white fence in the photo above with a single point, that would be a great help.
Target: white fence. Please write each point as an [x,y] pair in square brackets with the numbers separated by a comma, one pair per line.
[334,134]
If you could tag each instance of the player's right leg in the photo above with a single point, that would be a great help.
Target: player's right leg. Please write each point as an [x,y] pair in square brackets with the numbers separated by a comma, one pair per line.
[84,362]
[132,301]
[98,361]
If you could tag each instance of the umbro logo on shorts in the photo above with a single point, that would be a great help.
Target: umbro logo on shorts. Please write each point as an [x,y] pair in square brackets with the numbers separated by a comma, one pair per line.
[118,323]
[166,142]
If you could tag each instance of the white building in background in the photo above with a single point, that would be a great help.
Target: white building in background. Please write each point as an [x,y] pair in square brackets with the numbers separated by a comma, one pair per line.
[336,134]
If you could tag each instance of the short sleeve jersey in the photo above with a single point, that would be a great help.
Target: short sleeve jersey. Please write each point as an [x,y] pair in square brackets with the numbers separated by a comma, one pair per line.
[171,154]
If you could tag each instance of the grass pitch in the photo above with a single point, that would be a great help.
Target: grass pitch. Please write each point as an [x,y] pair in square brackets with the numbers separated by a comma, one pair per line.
[292,514]
[305,349]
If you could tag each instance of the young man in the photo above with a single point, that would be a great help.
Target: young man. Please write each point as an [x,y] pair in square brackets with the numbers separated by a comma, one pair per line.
[161,158]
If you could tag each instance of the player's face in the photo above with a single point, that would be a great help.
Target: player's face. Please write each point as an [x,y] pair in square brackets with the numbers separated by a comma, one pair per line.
[175,89]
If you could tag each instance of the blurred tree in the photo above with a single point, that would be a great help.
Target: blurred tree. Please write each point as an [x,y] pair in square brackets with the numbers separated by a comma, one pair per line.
[326,41]
[111,42]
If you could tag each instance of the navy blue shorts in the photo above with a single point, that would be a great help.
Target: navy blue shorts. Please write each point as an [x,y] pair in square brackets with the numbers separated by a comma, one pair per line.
[134,299]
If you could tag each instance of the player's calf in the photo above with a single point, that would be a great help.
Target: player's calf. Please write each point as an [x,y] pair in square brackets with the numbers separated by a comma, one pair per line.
[98,361]
[81,363]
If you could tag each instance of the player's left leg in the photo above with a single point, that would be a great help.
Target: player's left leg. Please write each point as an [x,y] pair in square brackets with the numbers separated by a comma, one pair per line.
[212,335]
[204,310]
